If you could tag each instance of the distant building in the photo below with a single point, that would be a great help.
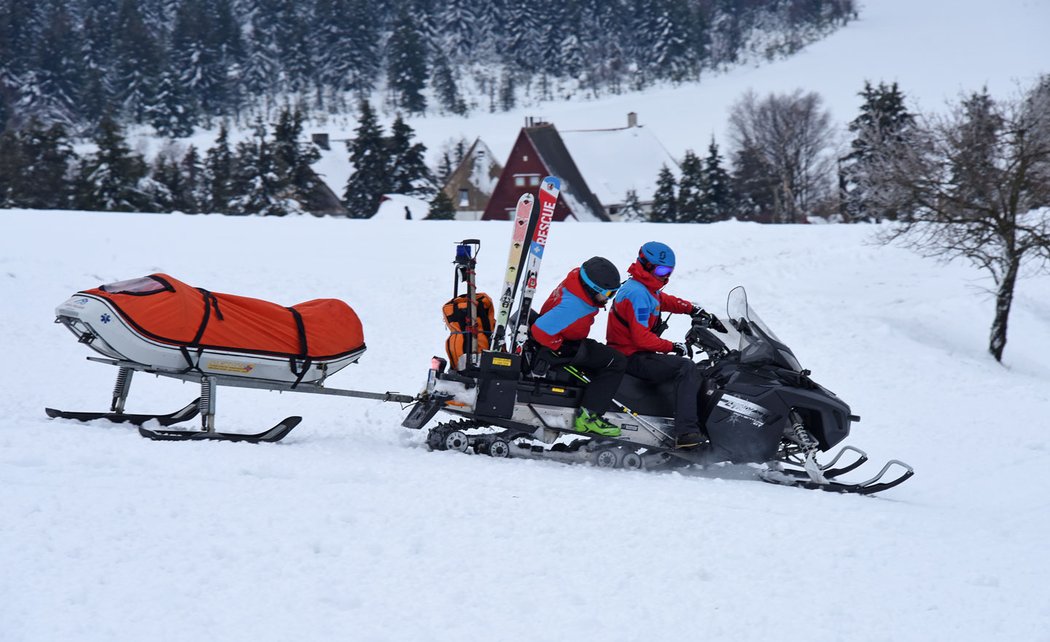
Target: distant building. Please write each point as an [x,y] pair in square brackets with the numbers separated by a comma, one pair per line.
[471,184]
[597,167]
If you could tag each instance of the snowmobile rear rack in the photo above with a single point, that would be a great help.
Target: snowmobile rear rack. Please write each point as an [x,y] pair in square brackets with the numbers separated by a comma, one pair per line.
[205,404]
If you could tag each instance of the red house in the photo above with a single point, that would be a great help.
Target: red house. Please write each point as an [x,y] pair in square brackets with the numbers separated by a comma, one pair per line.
[539,151]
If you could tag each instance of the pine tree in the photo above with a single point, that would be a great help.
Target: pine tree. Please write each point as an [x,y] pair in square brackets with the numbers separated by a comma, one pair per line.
[108,180]
[754,183]
[46,163]
[507,89]
[441,208]
[632,209]
[406,65]
[59,70]
[10,169]
[171,112]
[368,154]
[168,178]
[137,63]
[258,188]
[883,122]
[196,194]
[408,171]
[218,174]
[691,189]
[446,89]
[665,202]
[716,201]
[295,157]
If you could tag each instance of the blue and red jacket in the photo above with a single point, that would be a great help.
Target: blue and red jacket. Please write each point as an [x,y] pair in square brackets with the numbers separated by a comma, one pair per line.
[567,315]
[636,311]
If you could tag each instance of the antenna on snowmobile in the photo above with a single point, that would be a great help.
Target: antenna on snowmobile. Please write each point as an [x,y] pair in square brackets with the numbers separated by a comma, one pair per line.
[466,264]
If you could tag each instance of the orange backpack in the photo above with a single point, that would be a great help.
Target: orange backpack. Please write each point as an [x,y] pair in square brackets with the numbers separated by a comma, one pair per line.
[457,313]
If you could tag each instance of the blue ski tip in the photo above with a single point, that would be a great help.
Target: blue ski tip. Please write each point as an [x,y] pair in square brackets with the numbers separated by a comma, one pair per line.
[553,180]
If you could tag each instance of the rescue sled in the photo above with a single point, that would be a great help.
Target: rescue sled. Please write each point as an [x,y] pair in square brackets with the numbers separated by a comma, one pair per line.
[160,325]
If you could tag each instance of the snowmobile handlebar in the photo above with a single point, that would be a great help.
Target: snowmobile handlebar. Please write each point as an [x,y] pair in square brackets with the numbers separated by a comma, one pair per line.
[701,336]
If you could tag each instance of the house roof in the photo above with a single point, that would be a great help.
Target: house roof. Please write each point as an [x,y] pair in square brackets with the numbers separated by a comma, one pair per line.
[614,161]
[559,162]
[478,167]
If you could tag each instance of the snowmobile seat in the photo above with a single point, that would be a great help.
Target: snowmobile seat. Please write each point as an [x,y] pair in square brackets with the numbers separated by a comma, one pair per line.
[647,398]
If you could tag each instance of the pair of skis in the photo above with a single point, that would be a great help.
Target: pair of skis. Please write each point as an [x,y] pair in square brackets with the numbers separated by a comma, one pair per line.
[529,238]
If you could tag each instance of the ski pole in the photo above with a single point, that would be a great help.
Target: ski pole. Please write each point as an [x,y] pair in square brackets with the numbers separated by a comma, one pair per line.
[582,377]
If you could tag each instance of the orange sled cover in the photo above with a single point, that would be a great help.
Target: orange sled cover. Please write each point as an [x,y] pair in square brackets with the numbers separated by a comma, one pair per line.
[167,310]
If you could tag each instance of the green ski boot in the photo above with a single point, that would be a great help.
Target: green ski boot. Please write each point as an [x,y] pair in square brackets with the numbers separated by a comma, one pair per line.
[586,421]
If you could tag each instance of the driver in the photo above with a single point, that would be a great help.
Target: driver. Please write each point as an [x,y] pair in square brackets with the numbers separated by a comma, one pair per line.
[632,329]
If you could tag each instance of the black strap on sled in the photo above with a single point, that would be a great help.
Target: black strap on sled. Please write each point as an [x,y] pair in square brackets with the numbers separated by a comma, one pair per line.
[303,351]
[209,301]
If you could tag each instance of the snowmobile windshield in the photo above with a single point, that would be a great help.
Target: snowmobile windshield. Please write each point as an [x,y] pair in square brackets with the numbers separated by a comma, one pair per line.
[759,345]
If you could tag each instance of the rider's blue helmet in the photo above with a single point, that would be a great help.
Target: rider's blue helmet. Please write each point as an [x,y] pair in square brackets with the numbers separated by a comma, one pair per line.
[657,258]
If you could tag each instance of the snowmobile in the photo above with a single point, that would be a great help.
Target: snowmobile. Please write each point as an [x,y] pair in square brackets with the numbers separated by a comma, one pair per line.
[758,407]
[159,325]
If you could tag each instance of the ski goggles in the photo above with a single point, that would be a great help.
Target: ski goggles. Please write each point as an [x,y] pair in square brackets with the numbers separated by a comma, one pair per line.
[602,294]
[657,270]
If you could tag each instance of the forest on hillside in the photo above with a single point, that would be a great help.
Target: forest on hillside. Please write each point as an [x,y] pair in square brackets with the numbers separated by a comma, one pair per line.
[176,64]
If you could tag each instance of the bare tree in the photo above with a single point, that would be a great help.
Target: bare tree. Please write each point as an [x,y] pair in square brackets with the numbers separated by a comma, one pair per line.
[975,183]
[793,135]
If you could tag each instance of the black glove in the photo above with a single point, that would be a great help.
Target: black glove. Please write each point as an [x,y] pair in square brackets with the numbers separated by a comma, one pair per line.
[708,320]
[697,310]
[679,349]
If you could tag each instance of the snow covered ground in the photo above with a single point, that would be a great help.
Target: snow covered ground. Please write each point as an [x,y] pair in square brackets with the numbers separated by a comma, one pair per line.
[351,529]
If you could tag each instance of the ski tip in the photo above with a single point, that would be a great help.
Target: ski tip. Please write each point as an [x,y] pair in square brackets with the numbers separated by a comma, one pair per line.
[553,182]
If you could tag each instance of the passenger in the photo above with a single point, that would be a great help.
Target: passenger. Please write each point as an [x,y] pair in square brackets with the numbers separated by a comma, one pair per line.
[632,330]
[561,331]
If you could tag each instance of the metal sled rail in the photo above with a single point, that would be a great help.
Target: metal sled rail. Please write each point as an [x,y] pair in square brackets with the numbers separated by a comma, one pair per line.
[256,384]
[205,404]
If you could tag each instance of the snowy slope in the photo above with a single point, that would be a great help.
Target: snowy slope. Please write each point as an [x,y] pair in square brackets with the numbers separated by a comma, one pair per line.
[350,529]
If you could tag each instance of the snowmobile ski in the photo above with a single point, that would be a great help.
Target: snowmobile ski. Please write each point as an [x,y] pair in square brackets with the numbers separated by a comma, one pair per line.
[550,188]
[182,414]
[272,435]
[522,218]
[802,479]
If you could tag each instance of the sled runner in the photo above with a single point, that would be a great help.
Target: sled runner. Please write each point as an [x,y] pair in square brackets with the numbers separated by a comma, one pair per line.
[159,325]
[758,407]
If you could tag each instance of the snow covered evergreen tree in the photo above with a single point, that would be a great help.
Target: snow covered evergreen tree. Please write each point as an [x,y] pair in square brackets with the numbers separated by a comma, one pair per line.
[137,62]
[716,203]
[368,155]
[884,122]
[218,174]
[257,185]
[171,112]
[632,209]
[441,208]
[46,160]
[665,200]
[446,89]
[691,189]
[294,158]
[108,180]
[406,64]
[408,171]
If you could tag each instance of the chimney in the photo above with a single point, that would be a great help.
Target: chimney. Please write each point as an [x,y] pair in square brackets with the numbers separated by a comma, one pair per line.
[632,119]
[321,140]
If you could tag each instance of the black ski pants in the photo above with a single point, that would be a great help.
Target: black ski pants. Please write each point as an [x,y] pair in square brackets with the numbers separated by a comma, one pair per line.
[655,367]
[603,365]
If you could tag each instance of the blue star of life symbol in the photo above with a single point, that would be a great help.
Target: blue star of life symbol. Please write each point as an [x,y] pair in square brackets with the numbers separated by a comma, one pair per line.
[105,318]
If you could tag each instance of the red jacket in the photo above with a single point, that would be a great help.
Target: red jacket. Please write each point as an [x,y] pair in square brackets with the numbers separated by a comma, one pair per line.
[636,311]
[567,314]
